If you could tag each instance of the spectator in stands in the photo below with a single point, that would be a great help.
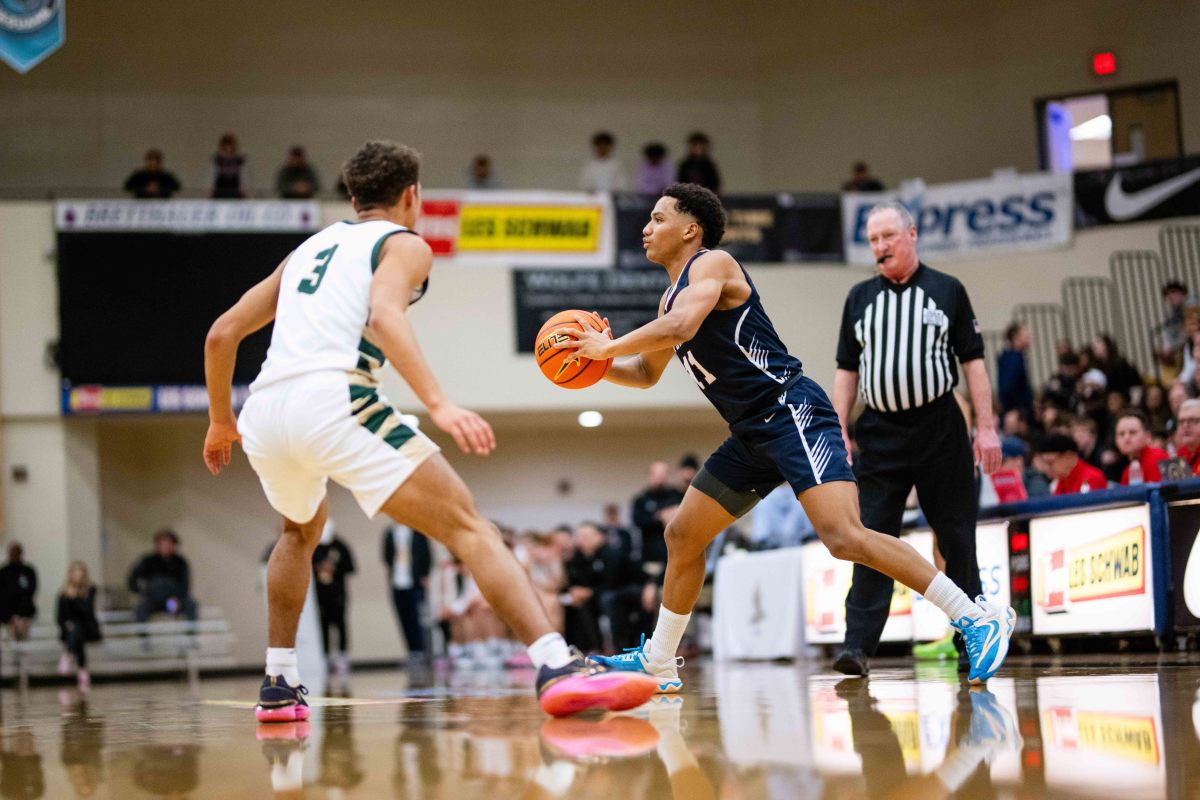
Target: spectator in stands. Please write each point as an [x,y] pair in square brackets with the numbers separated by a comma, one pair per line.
[1133,442]
[861,179]
[1012,374]
[1191,330]
[77,623]
[1154,406]
[332,564]
[152,182]
[648,510]
[408,560]
[1086,434]
[1062,389]
[779,521]
[230,175]
[1059,459]
[685,473]
[296,179]
[1092,388]
[655,173]
[1170,333]
[602,172]
[1122,376]
[547,573]
[477,636]
[698,166]
[162,580]
[1187,437]
[590,571]
[18,587]
[480,174]
[617,535]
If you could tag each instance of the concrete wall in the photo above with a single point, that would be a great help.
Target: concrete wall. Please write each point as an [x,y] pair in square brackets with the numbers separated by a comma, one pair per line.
[791,93]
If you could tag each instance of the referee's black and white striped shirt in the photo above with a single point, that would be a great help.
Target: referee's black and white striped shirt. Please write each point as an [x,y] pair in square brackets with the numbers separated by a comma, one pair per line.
[903,339]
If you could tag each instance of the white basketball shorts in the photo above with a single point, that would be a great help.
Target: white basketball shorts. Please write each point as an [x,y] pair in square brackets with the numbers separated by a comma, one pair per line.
[301,431]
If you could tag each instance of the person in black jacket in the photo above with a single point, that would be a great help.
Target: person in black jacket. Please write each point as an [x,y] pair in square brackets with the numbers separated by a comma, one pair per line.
[647,512]
[77,623]
[162,580]
[332,564]
[407,558]
[18,586]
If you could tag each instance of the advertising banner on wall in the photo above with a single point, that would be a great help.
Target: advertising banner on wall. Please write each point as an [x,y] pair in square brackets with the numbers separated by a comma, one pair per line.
[628,298]
[759,228]
[1092,572]
[563,229]
[186,216]
[1184,525]
[1153,190]
[826,582]
[988,217]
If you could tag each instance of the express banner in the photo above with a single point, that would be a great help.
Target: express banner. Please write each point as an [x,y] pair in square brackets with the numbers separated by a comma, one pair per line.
[759,228]
[1092,572]
[628,299]
[563,229]
[1184,525]
[1153,190]
[157,399]
[989,217]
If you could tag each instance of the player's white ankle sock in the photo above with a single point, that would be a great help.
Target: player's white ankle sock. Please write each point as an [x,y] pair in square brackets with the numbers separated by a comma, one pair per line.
[550,650]
[667,634]
[282,661]
[674,751]
[959,766]
[944,594]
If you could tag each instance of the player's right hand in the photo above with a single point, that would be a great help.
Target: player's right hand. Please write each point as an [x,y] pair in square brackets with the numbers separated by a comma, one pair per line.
[218,444]
[471,432]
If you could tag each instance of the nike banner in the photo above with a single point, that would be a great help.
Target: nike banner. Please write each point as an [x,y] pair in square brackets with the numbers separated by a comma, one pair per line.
[1184,525]
[988,217]
[1153,190]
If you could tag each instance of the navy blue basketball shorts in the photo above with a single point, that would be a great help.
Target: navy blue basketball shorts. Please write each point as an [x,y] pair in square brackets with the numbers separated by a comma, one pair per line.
[799,441]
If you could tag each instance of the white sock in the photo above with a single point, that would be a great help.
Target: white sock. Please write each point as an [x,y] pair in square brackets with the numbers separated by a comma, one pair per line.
[949,598]
[282,661]
[959,766]
[550,650]
[674,752]
[556,778]
[667,634]
[290,776]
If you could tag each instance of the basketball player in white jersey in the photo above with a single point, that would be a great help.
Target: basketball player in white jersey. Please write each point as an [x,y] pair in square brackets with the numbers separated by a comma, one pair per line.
[340,306]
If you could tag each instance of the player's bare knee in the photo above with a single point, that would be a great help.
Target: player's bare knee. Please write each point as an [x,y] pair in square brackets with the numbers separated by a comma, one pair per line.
[679,544]
[305,534]
[845,541]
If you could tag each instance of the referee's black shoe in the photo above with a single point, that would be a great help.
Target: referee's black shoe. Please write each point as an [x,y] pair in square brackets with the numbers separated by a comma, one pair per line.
[851,661]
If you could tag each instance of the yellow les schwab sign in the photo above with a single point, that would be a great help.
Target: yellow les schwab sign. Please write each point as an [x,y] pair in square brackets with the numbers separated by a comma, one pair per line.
[1110,567]
[561,229]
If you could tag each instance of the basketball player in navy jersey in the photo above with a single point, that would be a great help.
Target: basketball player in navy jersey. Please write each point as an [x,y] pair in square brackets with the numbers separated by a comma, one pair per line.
[782,428]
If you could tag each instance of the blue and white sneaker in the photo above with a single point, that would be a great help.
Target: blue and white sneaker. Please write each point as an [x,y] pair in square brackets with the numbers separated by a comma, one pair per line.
[986,638]
[637,659]
[992,726]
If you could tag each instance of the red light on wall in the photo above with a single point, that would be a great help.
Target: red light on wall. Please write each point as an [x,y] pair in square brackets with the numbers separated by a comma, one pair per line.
[1104,63]
[1019,542]
[1020,584]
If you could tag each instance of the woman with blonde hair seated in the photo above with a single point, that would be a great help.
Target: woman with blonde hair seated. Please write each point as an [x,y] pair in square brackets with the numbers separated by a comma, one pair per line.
[77,623]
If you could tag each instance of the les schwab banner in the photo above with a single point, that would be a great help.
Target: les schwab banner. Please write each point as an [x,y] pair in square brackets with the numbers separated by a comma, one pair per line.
[1092,572]
[561,229]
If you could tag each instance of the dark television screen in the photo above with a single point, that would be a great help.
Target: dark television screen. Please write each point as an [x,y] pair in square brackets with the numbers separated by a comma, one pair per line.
[134,307]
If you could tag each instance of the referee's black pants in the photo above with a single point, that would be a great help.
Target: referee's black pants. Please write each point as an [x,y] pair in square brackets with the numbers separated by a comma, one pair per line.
[927,447]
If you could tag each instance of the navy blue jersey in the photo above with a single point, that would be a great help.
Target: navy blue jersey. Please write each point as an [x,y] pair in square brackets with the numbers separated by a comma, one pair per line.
[736,356]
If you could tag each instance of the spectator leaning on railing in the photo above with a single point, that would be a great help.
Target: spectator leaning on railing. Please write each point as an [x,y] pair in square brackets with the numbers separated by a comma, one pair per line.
[1133,441]
[152,182]
[1058,458]
[1187,436]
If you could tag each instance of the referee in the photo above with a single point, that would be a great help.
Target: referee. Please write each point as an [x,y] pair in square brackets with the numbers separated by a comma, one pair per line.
[901,332]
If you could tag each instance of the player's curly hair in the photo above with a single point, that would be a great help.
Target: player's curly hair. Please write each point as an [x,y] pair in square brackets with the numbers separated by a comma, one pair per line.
[379,173]
[702,205]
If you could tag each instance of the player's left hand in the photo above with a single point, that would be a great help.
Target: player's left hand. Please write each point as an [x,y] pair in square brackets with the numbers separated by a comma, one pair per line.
[218,444]
[589,342]
[987,450]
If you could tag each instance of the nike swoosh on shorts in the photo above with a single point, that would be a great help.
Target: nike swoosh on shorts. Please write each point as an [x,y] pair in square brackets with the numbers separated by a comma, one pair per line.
[1122,205]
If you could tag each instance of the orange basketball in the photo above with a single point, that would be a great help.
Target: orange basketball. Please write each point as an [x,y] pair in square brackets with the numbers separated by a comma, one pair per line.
[561,366]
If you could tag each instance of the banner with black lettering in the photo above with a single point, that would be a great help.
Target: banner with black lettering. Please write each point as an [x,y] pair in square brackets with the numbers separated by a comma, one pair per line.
[988,217]
[1153,190]
[1184,525]
[759,228]
[628,298]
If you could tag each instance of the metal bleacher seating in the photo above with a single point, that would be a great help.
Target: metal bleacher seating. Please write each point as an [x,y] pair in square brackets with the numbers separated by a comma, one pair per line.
[164,644]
